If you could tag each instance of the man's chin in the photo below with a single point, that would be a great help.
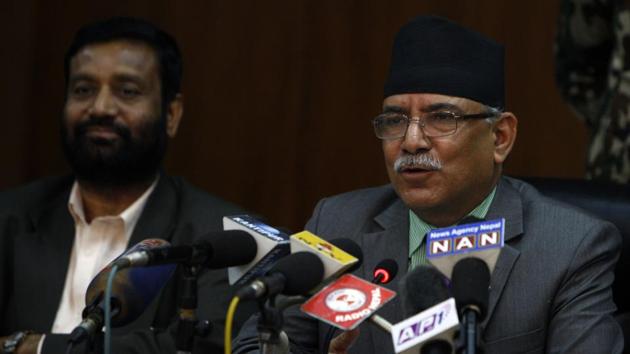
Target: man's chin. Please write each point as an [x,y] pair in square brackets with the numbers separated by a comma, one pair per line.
[417,198]
[107,177]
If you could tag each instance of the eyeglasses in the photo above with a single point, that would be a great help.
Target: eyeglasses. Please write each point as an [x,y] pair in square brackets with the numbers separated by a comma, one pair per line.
[393,125]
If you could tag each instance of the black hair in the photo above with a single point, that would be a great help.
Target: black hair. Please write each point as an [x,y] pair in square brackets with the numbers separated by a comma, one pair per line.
[121,28]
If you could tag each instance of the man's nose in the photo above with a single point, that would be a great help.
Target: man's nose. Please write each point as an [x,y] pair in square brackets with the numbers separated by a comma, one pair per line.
[415,140]
[104,104]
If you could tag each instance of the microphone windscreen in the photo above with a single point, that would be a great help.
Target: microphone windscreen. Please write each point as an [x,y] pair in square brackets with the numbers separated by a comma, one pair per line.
[352,248]
[422,288]
[302,271]
[386,266]
[133,289]
[230,248]
[471,279]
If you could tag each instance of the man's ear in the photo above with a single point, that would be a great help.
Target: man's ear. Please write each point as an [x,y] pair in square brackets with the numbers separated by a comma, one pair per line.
[504,131]
[174,112]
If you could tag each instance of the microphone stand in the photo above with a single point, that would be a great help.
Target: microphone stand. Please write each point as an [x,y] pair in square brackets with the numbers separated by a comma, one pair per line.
[272,339]
[91,332]
[470,340]
[188,325]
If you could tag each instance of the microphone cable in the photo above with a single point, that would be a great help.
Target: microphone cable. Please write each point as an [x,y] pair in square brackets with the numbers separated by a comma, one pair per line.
[108,295]
[229,322]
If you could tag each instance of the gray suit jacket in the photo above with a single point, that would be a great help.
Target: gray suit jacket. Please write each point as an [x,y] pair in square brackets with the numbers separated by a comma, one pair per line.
[549,293]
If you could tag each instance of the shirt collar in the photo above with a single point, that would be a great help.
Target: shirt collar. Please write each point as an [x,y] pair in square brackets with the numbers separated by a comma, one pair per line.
[418,228]
[129,216]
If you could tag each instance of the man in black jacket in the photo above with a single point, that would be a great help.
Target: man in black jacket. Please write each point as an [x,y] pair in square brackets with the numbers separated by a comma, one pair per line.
[123,102]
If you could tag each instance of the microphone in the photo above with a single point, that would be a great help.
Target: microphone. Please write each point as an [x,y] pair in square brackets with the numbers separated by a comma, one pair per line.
[218,250]
[133,290]
[295,274]
[472,245]
[471,279]
[336,259]
[423,288]
[271,245]
[385,271]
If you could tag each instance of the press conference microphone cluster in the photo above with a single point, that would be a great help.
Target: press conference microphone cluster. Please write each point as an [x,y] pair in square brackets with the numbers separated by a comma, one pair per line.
[147,266]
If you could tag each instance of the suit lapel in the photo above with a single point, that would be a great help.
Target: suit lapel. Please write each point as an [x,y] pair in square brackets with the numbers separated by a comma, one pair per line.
[507,204]
[53,239]
[379,245]
[158,219]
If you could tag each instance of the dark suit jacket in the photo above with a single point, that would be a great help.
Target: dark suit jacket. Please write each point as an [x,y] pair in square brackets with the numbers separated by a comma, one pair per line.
[36,238]
[549,293]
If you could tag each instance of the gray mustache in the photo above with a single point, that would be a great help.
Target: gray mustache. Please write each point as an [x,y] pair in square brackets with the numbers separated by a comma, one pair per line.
[421,161]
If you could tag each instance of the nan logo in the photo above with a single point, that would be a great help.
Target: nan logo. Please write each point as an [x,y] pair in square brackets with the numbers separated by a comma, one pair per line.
[465,238]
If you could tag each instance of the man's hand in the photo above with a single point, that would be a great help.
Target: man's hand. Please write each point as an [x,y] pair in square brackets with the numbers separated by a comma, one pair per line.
[341,343]
[28,345]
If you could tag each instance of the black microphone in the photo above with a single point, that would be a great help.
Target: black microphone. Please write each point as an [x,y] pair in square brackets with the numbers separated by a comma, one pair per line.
[471,280]
[295,274]
[385,271]
[423,288]
[220,249]
[132,291]
[473,244]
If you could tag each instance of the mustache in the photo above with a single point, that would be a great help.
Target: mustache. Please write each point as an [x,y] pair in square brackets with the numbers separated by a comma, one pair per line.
[418,161]
[81,128]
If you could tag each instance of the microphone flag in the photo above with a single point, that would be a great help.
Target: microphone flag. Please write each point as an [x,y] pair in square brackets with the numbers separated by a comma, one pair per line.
[347,302]
[439,321]
[272,244]
[448,245]
[336,261]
